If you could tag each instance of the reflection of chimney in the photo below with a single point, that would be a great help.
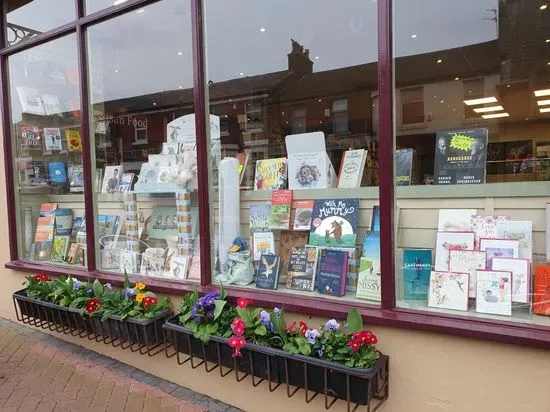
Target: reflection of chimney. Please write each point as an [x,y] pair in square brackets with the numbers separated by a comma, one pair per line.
[298,60]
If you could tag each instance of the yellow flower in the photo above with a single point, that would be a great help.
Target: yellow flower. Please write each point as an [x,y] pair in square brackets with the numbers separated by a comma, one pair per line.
[140,285]
[139,297]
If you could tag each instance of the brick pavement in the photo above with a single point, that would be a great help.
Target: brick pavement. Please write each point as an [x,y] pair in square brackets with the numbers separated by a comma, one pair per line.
[39,372]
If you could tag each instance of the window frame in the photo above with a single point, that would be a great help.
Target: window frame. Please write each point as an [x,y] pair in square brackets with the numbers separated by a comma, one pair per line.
[341,113]
[387,314]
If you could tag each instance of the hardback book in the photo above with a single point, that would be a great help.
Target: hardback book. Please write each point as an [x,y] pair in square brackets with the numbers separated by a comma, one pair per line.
[77,179]
[30,100]
[375,219]
[351,168]
[62,234]
[371,250]
[52,139]
[164,223]
[74,140]
[51,105]
[448,290]
[111,179]
[258,217]
[72,255]
[485,227]
[281,203]
[417,266]
[404,162]
[302,268]
[36,173]
[494,292]
[268,272]
[521,276]
[57,172]
[522,231]
[263,243]
[243,162]
[288,240]
[31,139]
[271,174]
[334,222]
[332,272]
[353,266]
[541,290]
[369,282]
[45,226]
[499,248]
[468,261]
[170,148]
[455,220]
[302,216]
[447,241]
[126,182]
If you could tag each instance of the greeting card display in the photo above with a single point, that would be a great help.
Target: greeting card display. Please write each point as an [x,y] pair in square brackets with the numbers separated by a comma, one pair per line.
[494,292]
[455,220]
[522,231]
[485,227]
[334,222]
[521,274]
[287,242]
[468,261]
[447,241]
[448,290]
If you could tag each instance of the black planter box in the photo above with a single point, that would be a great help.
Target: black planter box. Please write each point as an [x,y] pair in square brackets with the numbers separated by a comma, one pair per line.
[40,310]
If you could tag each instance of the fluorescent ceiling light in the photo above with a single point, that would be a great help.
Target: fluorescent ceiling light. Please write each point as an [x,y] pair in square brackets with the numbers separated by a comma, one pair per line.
[544,109]
[140,11]
[488,109]
[543,7]
[439,61]
[117,2]
[483,100]
[413,36]
[457,78]
[543,102]
[263,29]
[544,92]
[495,115]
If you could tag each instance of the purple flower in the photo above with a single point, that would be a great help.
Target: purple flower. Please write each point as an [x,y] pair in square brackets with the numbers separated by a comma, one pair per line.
[90,291]
[194,313]
[108,286]
[332,326]
[277,312]
[320,352]
[76,284]
[210,314]
[311,335]
[265,320]
[128,292]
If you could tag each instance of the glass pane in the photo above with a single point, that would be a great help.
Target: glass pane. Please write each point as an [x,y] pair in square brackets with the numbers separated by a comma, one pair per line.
[144,132]
[291,119]
[93,6]
[26,19]
[47,149]
[471,114]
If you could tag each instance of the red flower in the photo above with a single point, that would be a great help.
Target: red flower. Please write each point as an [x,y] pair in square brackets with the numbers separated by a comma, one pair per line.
[41,278]
[237,343]
[92,305]
[363,336]
[303,328]
[149,301]
[354,345]
[238,326]
[373,340]
[243,302]
[291,328]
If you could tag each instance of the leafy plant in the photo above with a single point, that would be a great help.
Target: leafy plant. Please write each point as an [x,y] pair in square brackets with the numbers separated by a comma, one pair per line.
[39,287]
[68,290]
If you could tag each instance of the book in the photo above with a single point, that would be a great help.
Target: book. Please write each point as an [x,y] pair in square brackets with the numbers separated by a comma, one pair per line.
[371,250]
[468,261]
[62,234]
[417,266]
[74,140]
[521,274]
[404,160]
[541,290]
[164,223]
[460,157]
[369,282]
[302,268]
[271,174]
[72,255]
[375,219]
[45,226]
[31,139]
[499,248]
[332,272]
[52,139]
[455,220]
[36,173]
[353,266]
[302,216]
[263,243]
[77,179]
[268,272]
[448,290]
[243,162]
[334,222]
[287,242]
[522,231]
[281,202]
[107,228]
[51,105]
[351,168]
[485,227]
[258,217]
[111,179]
[57,172]
[494,292]
[30,100]
[447,241]
[126,182]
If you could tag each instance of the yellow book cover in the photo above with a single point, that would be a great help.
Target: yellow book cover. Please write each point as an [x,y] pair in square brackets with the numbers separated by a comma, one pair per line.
[74,141]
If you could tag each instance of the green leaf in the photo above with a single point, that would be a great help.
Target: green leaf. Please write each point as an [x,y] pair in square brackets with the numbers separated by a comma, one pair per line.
[350,363]
[223,293]
[126,280]
[98,289]
[355,321]
[304,347]
[291,348]
[261,330]
[218,308]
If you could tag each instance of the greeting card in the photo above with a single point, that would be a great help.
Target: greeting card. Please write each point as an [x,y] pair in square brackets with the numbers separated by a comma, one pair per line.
[468,261]
[494,292]
[520,269]
[447,241]
[448,290]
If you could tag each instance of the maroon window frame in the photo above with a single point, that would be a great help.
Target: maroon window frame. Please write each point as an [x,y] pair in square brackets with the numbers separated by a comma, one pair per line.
[387,315]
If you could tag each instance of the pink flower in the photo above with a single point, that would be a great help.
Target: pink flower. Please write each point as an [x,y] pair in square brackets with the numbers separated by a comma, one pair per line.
[238,326]
[243,302]
[237,343]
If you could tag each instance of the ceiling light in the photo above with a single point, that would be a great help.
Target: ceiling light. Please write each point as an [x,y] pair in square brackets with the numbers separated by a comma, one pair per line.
[439,61]
[543,102]
[442,101]
[316,57]
[117,2]
[263,29]
[116,70]
[457,78]
[241,74]
[413,36]
[544,92]
[180,53]
[320,100]
[140,11]
[488,109]
[181,87]
[508,85]
[547,41]
[154,103]
[548,63]
[543,7]
[544,109]
[495,115]
[483,100]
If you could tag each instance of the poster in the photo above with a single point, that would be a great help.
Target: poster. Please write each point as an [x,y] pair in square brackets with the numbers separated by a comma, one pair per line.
[460,157]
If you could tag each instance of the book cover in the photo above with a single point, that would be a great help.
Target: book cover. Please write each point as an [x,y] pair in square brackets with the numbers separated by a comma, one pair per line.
[30,100]
[302,268]
[353,266]
[74,141]
[153,262]
[57,172]
[404,167]
[36,173]
[485,227]
[72,255]
[448,290]
[77,179]
[494,292]
[268,272]
[287,242]
[51,105]
[164,223]
[52,139]
[78,224]
[468,261]
[460,157]
[264,243]
[111,179]
[522,231]
[271,174]
[417,266]
[369,283]
[455,220]
[332,274]
[126,182]
[60,248]
[31,139]
[541,290]
[375,219]
[334,222]
[281,202]
[521,274]
[258,217]
[307,170]
[302,216]
[447,241]
[45,226]
[62,234]
[351,168]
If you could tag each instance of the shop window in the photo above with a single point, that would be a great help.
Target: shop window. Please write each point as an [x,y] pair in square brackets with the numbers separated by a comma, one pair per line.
[473,89]
[222,110]
[253,116]
[340,121]
[299,121]
[412,105]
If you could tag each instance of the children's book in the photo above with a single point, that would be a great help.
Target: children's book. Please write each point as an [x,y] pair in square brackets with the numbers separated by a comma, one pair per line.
[334,222]
[332,273]
[62,234]
[468,261]
[263,243]
[302,268]
[351,168]
[271,174]
[371,251]
[417,266]
[281,202]
[45,226]
[258,217]
[494,292]
[74,141]
[447,241]
[57,172]
[52,139]
[31,139]
[111,179]
[302,216]
[448,290]
[369,283]
[268,272]
[287,242]
[541,290]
